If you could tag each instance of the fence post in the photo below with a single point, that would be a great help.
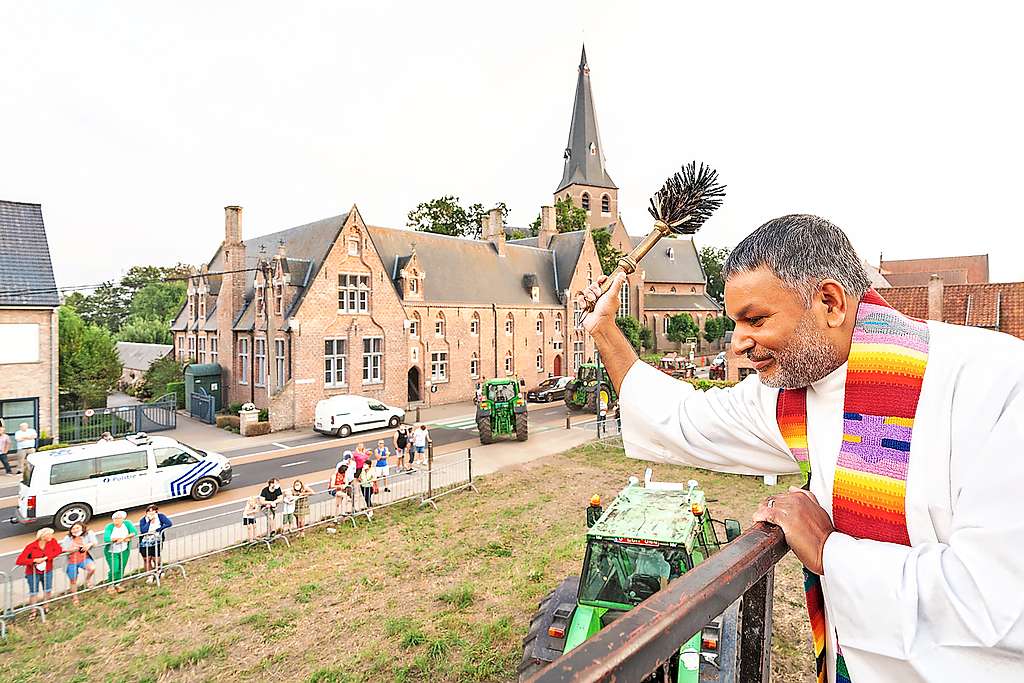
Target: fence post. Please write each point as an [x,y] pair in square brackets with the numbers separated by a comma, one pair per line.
[417,414]
[756,631]
[430,469]
[469,458]
[568,420]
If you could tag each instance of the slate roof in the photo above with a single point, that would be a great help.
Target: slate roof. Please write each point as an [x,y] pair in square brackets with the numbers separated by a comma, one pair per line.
[460,270]
[584,155]
[680,302]
[136,356]
[26,272]
[567,247]
[683,266]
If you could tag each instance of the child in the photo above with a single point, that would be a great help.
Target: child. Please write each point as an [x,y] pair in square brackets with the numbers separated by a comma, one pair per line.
[288,510]
[381,454]
[249,513]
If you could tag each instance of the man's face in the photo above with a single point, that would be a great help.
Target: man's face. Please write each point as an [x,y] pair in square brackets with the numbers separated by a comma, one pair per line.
[784,339]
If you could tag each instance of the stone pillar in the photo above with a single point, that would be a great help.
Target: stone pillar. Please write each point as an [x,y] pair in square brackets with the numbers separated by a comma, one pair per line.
[246,419]
[935,294]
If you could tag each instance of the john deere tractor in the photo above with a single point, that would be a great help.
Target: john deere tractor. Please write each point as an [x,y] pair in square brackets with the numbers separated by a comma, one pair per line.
[650,535]
[589,388]
[501,411]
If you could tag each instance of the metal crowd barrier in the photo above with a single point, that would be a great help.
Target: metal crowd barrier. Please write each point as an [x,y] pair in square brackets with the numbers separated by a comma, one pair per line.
[182,543]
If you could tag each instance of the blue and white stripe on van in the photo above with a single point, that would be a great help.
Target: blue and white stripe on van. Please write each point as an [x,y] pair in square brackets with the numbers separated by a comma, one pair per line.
[180,486]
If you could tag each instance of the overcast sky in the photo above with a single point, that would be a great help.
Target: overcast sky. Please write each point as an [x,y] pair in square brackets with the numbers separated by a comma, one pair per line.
[134,124]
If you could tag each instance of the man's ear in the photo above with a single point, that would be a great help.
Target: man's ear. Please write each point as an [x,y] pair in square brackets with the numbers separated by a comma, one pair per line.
[832,299]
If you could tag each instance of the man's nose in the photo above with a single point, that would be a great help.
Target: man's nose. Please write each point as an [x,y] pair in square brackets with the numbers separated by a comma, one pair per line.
[741,342]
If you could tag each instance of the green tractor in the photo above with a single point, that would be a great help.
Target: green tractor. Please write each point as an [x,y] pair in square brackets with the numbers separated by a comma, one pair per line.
[589,389]
[501,411]
[650,535]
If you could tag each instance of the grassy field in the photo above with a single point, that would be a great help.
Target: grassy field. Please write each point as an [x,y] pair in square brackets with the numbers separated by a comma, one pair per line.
[417,595]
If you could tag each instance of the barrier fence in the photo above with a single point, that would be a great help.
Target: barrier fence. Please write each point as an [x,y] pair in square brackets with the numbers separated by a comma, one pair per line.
[186,542]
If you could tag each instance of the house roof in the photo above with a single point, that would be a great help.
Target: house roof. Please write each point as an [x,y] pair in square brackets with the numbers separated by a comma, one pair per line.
[975,265]
[584,155]
[461,270]
[136,356]
[997,306]
[950,277]
[680,302]
[671,260]
[26,272]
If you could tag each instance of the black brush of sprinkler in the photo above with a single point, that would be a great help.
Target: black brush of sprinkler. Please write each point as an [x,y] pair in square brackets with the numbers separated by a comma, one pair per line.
[682,205]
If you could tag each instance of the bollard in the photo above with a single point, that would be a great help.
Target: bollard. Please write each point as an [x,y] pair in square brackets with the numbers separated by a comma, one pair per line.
[417,414]
[568,420]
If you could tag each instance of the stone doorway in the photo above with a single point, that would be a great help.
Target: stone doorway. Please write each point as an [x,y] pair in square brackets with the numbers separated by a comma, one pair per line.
[415,394]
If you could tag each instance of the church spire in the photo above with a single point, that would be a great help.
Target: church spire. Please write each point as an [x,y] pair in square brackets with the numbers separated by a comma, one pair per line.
[584,156]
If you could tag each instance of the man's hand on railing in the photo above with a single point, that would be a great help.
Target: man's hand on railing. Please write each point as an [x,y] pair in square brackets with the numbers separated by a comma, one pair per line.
[806,524]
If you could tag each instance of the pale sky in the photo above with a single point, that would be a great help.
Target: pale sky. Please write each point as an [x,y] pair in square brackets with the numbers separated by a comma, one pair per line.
[134,124]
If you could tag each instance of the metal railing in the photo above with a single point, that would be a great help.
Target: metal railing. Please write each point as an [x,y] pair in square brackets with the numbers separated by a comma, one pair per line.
[77,426]
[184,542]
[643,639]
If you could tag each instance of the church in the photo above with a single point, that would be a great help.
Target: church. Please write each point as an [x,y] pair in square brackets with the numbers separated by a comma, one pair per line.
[414,318]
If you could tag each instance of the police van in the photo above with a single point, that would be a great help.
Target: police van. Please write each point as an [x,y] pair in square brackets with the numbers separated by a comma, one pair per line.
[71,485]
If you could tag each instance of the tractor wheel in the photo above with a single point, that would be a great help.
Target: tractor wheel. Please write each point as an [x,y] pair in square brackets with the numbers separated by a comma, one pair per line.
[539,649]
[522,427]
[591,405]
[483,425]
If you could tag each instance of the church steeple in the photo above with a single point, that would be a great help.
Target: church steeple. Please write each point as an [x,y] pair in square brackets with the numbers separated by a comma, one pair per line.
[584,156]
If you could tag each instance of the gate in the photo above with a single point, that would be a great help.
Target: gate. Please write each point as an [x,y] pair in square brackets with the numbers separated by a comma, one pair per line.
[201,406]
[77,426]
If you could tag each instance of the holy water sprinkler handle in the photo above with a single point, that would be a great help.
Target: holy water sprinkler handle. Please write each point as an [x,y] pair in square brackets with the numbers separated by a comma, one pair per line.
[681,206]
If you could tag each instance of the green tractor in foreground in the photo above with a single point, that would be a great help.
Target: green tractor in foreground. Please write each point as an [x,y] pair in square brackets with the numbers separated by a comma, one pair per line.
[501,411]
[650,535]
[590,389]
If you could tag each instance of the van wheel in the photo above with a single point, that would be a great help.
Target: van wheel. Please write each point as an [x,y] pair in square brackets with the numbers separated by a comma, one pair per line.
[394,421]
[70,515]
[205,488]
[344,430]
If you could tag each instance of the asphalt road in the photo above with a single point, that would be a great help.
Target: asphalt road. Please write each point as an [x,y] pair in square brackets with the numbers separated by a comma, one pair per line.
[255,465]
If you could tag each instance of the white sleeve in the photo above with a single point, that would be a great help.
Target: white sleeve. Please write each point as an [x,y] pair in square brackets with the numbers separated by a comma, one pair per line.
[727,430]
[901,601]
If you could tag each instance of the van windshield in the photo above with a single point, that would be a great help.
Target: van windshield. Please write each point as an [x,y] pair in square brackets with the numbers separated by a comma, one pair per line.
[198,451]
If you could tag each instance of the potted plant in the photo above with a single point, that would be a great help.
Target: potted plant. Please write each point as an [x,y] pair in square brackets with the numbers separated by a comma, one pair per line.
[44,439]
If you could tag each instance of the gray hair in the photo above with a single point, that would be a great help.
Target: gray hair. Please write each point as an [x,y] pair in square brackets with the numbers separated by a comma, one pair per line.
[802,251]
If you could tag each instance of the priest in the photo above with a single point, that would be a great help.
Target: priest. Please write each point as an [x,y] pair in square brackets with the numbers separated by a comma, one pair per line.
[909,434]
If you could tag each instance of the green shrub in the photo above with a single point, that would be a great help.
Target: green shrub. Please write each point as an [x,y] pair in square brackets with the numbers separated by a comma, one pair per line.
[705,384]
[53,446]
[233,408]
[178,389]
[264,415]
[227,421]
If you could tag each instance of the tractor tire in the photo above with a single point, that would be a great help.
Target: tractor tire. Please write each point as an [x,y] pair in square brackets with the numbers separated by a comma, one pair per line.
[522,427]
[537,646]
[483,425]
[568,400]
[591,405]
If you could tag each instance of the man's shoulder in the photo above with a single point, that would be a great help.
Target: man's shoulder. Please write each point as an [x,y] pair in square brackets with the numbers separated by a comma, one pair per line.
[976,349]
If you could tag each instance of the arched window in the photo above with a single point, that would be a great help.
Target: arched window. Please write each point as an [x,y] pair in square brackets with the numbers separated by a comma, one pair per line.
[577,315]
[510,324]
[414,325]
[474,366]
[540,323]
[540,360]
[558,323]
[624,300]
[585,201]
[474,324]
[664,324]
[509,365]
[606,203]
[439,325]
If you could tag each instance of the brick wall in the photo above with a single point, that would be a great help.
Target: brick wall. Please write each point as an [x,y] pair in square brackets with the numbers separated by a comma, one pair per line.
[595,216]
[38,379]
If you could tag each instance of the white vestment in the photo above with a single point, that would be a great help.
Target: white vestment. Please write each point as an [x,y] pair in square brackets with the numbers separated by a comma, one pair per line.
[950,607]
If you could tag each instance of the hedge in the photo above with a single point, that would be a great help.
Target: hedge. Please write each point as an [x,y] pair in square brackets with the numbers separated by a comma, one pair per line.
[178,389]
[705,384]
[227,421]
[258,429]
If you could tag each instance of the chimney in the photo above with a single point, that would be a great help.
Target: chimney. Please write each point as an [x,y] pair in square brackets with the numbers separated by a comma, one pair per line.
[935,294]
[232,224]
[234,261]
[548,227]
[497,230]
[281,251]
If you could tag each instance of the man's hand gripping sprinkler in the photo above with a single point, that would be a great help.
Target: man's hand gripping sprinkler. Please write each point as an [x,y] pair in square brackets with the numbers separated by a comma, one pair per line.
[681,206]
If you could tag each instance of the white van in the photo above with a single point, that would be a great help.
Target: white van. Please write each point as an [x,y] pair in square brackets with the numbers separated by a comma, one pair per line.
[71,485]
[342,415]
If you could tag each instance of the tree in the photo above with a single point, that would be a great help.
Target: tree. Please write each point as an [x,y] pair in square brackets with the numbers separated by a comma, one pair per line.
[608,254]
[162,372]
[632,329]
[682,327]
[111,304]
[647,337]
[446,216]
[711,260]
[89,366]
[145,331]
[714,329]
[158,300]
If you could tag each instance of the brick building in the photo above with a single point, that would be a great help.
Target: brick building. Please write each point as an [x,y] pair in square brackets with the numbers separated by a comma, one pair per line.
[954,270]
[339,306]
[28,321]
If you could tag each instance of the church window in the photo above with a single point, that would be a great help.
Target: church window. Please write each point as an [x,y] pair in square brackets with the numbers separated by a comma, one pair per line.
[624,300]
[509,324]
[414,325]
[439,325]
[474,366]
[606,203]
[540,324]
[509,366]
[474,325]
[558,323]
[585,201]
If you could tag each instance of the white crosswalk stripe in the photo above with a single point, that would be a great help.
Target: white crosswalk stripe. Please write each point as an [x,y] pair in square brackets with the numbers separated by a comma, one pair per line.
[466,422]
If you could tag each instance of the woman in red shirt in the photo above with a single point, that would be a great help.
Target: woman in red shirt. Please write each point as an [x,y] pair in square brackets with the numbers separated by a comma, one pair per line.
[37,558]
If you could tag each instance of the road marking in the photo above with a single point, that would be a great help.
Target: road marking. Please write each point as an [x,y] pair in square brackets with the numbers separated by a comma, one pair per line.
[279,445]
[293,464]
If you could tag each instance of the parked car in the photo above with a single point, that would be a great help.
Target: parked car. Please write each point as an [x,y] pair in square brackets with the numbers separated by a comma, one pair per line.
[72,485]
[551,389]
[342,415]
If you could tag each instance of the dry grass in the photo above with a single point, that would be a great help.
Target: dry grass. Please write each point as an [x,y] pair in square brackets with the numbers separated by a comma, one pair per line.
[416,596]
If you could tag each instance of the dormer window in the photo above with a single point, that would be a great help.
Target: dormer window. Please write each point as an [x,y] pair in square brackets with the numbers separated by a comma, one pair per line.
[593,149]
[414,285]
[278,300]
[439,325]
[671,253]
[260,299]
[353,246]
[509,325]
[474,325]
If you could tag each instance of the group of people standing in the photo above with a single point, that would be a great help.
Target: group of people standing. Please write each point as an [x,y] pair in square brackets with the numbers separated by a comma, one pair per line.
[80,544]
[23,443]
[291,502]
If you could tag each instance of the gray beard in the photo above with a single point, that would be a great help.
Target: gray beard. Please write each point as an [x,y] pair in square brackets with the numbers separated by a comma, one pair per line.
[808,358]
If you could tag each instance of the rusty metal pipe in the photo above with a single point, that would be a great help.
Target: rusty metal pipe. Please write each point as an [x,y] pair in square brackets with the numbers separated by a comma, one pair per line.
[647,636]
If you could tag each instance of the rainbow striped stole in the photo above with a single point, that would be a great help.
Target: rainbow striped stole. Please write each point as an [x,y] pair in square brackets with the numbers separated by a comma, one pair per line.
[884,374]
